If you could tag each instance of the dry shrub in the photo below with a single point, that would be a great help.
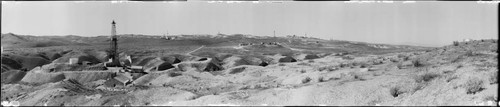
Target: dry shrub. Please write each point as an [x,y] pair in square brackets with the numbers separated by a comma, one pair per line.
[322,68]
[400,66]
[473,85]
[458,59]
[469,53]
[394,60]
[357,76]
[304,63]
[281,64]
[396,91]
[311,61]
[455,43]
[321,79]
[418,63]
[306,80]
[347,57]
[491,98]
[419,86]
[429,76]
[342,65]
[174,74]
[364,65]
[237,70]
[302,71]
[401,56]
[239,95]
[329,68]
[451,78]
[493,78]
[447,71]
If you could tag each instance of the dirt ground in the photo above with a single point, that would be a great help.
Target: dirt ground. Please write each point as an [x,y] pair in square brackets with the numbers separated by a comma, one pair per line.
[465,74]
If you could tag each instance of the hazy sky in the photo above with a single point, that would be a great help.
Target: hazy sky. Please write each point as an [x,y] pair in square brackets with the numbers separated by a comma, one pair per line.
[421,23]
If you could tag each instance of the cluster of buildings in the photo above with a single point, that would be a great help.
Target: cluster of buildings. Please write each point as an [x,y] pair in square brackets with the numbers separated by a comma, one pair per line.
[295,36]
[261,43]
[169,37]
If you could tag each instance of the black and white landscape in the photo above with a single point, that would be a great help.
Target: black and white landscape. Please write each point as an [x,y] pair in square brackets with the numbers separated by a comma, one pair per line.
[249,53]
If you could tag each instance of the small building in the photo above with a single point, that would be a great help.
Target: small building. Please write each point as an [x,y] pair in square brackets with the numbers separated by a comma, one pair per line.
[124,78]
[113,69]
[73,60]
[136,69]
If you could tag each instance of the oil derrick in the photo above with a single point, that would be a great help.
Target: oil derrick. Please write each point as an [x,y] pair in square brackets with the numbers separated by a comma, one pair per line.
[113,50]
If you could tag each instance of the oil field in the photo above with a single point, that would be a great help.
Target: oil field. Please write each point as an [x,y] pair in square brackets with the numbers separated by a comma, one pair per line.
[252,53]
[242,69]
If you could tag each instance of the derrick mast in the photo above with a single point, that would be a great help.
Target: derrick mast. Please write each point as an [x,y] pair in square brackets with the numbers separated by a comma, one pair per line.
[113,50]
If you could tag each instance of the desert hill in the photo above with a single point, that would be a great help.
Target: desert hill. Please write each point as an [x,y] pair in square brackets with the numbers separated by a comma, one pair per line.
[219,70]
[13,40]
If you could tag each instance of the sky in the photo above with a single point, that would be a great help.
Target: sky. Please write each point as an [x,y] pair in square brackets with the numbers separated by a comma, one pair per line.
[420,23]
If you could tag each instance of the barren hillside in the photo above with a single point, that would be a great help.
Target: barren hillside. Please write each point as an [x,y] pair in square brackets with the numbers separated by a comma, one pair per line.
[217,70]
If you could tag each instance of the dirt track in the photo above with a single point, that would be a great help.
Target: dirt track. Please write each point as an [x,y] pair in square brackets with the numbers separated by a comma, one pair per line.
[189,53]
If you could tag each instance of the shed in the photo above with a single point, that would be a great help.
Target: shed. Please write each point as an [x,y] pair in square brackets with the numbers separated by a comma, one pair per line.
[124,78]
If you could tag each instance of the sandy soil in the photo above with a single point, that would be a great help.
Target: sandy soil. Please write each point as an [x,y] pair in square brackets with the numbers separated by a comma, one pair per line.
[449,75]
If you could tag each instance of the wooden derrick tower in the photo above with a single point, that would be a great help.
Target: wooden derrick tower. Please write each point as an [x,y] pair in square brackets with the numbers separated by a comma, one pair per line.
[113,50]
